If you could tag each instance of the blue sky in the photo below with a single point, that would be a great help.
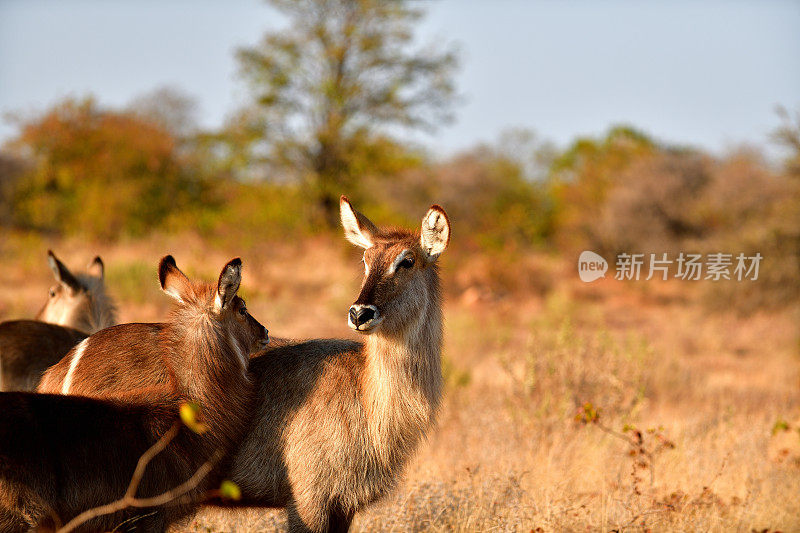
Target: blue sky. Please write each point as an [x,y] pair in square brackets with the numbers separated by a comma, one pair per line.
[707,73]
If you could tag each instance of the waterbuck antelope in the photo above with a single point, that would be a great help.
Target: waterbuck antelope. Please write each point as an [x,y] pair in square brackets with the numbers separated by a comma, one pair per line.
[76,307]
[129,359]
[68,453]
[336,421]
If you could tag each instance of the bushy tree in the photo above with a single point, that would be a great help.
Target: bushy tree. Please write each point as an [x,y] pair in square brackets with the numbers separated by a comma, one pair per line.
[336,80]
[11,168]
[787,135]
[97,172]
[657,203]
[492,190]
[581,178]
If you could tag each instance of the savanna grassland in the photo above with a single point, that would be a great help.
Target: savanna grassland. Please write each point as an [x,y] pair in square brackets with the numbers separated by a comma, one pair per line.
[569,406]
[610,406]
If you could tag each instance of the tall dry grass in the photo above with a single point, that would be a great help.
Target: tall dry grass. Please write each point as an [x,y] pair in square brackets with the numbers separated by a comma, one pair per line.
[508,453]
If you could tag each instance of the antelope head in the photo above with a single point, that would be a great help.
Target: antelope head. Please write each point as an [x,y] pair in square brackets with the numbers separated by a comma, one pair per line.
[400,275]
[77,300]
[214,310]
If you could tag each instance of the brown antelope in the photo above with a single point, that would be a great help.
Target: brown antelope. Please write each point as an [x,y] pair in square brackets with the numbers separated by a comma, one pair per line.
[69,454]
[76,307]
[129,359]
[336,421]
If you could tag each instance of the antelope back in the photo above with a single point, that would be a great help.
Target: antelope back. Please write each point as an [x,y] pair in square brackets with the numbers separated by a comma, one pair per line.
[78,301]
[28,348]
[199,354]
[92,461]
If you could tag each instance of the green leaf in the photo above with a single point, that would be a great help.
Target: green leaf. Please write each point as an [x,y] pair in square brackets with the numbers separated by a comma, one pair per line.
[780,425]
[229,490]
[190,415]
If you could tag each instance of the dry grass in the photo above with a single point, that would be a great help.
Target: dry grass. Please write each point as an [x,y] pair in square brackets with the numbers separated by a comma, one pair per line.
[508,453]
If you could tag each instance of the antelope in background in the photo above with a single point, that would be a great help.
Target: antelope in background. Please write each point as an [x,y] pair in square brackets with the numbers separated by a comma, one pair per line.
[336,421]
[77,306]
[70,453]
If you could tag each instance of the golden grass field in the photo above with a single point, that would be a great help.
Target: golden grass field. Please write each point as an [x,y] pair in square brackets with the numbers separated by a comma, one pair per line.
[508,453]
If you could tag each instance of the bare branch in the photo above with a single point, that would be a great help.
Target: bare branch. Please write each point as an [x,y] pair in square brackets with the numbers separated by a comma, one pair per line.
[130,500]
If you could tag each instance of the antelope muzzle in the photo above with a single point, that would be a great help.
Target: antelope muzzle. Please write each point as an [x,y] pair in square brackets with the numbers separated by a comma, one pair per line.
[364,318]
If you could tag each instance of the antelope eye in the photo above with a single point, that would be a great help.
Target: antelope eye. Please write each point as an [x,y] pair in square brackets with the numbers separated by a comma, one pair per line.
[242,310]
[407,262]
[52,293]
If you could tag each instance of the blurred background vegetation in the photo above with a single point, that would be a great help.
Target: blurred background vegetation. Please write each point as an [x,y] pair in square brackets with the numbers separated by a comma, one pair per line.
[330,98]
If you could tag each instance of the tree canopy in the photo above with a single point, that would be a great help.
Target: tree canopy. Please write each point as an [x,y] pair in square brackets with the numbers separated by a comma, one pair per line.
[343,75]
[97,171]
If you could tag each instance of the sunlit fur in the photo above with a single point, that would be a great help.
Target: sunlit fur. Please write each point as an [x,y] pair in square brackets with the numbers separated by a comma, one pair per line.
[337,420]
[196,352]
[147,370]
[29,347]
[87,309]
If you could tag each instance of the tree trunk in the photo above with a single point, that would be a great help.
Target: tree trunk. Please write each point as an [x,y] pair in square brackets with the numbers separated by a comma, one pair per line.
[330,172]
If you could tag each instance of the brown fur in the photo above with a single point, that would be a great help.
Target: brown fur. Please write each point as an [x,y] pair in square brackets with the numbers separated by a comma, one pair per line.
[78,305]
[129,358]
[190,357]
[337,420]
[193,353]
[28,348]
[64,455]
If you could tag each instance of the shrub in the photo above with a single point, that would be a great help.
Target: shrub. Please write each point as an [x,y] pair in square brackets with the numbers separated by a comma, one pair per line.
[98,172]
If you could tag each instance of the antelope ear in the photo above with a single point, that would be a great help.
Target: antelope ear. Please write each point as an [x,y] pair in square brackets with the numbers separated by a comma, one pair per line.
[357,228]
[62,273]
[228,285]
[435,233]
[173,281]
[96,268]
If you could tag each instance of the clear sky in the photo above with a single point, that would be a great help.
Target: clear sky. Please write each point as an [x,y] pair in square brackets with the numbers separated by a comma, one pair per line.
[707,73]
